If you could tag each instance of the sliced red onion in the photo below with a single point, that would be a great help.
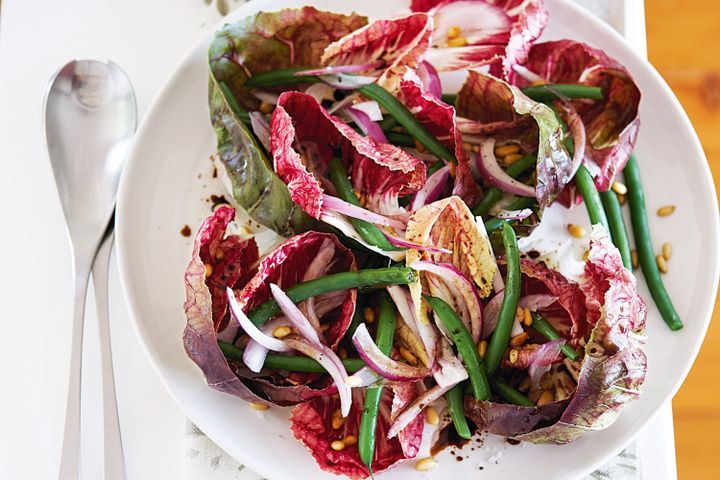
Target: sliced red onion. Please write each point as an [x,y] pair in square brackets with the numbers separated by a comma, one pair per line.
[295,316]
[267,341]
[320,92]
[371,108]
[342,69]
[254,354]
[490,313]
[402,243]
[261,128]
[380,363]
[424,331]
[267,97]
[342,223]
[368,127]
[342,81]
[349,100]
[429,78]
[416,408]
[517,328]
[345,208]
[496,176]
[330,362]
[537,301]
[451,371]
[462,289]
[514,214]
[432,189]
[365,377]
[577,128]
[542,358]
[527,75]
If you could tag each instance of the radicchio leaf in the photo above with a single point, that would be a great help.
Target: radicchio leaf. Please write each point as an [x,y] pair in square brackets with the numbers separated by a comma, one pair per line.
[611,124]
[497,32]
[311,423]
[305,137]
[492,107]
[397,42]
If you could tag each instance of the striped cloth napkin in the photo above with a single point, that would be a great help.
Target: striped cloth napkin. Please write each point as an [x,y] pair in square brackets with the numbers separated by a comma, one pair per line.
[204,460]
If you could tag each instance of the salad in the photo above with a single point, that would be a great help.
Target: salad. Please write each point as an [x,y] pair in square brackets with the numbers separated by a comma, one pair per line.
[401,296]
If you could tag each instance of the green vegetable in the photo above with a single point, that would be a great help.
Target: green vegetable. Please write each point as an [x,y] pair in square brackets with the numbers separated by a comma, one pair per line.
[357,316]
[288,362]
[509,394]
[618,232]
[501,335]
[369,232]
[235,107]
[586,185]
[401,139]
[384,340]
[519,204]
[494,195]
[479,384]
[333,283]
[454,399]
[560,91]
[387,124]
[449,98]
[545,328]
[646,257]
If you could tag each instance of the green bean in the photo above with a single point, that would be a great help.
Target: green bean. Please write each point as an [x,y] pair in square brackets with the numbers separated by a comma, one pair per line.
[586,185]
[384,340]
[278,78]
[288,362]
[449,98]
[545,328]
[501,335]
[479,384]
[646,257]
[387,124]
[495,194]
[357,316]
[519,204]
[618,232]
[560,91]
[509,394]
[333,283]
[398,111]
[454,399]
[369,232]
[232,102]
[400,139]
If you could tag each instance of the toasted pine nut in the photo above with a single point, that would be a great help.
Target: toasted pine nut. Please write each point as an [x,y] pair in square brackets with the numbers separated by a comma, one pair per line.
[324,327]
[482,348]
[337,419]
[281,332]
[342,353]
[431,416]
[622,199]
[208,270]
[453,31]
[408,356]
[337,445]
[619,188]
[259,406]
[527,317]
[524,385]
[420,147]
[512,158]
[661,263]
[350,440]
[634,257]
[507,149]
[220,254]
[475,148]
[369,314]
[667,250]
[519,339]
[546,397]
[576,230]
[513,356]
[519,313]
[457,42]
[266,107]
[666,210]
[425,464]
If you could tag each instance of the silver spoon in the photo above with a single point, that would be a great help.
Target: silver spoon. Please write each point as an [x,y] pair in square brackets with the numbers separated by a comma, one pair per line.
[90,118]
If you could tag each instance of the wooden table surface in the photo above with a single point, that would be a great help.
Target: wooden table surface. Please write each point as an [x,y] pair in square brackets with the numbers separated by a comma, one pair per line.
[683,45]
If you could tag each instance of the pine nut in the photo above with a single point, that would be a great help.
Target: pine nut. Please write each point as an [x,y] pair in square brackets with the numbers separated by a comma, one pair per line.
[576,230]
[519,339]
[337,419]
[512,158]
[622,199]
[453,31]
[667,250]
[426,464]
[524,385]
[527,318]
[350,440]
[420,147]
[634,257]
[505,150]
[208,270]
[482,348]
[545,397]
[342,353]
[619,188]
[266,107]
[666,210]
[259,406]
[408,356]
[369,314]
[281,332]
[661,263]
[431,416]
[337,445]
[457,42]
[513,356]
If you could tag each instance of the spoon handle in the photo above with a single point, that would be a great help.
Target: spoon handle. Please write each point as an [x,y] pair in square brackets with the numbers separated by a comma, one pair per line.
[70,454]
[113,448]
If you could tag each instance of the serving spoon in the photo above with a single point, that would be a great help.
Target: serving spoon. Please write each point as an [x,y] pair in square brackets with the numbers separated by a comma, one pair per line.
[90,118]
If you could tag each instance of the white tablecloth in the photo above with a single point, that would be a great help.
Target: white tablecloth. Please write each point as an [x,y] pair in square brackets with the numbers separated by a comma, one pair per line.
[148,38]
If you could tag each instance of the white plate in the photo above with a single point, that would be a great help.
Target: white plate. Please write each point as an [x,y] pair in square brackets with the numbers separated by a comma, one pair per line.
[161,192]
